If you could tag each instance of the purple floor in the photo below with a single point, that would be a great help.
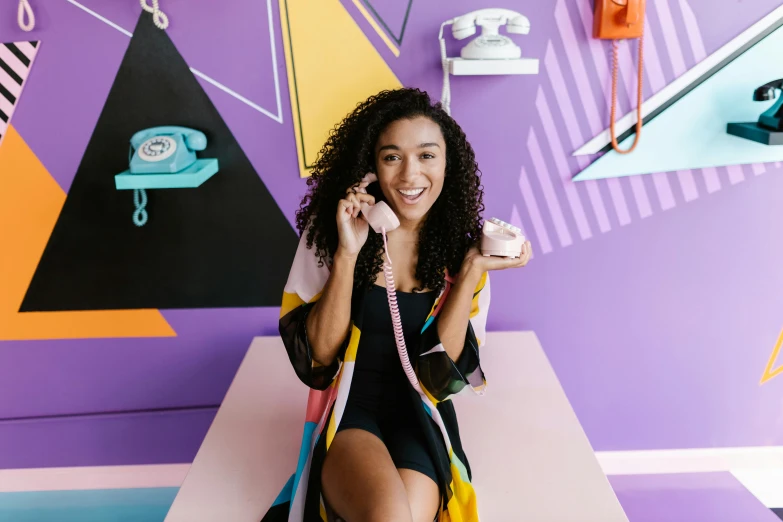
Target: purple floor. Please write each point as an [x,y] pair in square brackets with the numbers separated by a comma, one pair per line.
[688,497]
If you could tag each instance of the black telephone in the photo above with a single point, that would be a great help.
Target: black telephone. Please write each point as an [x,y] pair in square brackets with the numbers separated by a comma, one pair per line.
[771,119]
[768,130]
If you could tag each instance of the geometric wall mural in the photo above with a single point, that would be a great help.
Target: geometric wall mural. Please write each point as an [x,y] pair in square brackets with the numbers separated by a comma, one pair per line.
[225,243]
[571,107]
[74,266]
[771,371]
[393,16]
[687,129]
[16,60]
[333,62]
[30,201]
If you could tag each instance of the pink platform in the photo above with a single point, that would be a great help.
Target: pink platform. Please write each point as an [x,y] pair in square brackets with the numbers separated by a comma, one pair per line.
[551,476]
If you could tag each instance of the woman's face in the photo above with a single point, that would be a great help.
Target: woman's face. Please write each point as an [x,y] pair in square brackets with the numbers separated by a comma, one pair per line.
[410,156]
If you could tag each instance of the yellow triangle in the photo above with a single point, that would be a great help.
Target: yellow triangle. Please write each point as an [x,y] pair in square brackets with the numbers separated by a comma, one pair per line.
[331,67]
[769,373]
[30,203]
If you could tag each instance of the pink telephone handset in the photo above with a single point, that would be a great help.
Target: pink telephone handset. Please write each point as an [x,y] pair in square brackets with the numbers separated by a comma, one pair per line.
[380,216]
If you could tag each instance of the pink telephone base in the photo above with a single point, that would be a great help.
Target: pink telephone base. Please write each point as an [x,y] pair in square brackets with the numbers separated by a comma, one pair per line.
[501,239]
[501,253]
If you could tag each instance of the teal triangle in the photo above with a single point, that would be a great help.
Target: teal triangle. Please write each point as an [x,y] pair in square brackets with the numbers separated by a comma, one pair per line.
[691,133]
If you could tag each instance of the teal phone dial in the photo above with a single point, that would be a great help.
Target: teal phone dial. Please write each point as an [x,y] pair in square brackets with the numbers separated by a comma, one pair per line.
[164,157]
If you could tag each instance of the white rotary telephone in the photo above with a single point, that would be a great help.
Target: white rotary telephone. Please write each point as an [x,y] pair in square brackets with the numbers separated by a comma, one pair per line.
[496,53]
[491,45]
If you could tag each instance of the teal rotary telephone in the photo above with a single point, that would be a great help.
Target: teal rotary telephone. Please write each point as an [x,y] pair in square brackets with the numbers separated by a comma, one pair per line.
[166,149]
[164,157]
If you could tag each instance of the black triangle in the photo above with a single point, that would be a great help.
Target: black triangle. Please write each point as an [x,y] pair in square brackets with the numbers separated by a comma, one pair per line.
[223,244]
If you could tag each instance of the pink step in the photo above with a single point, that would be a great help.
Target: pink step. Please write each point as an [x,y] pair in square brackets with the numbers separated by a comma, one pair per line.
[530,457]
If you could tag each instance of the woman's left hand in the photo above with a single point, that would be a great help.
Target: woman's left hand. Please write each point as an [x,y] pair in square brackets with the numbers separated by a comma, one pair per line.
[477,264]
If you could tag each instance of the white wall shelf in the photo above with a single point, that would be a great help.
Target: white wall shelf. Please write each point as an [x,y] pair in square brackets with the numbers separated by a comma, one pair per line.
[463,67]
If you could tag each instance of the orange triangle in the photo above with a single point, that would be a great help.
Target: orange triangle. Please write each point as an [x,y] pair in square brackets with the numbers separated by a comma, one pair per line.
[30,203]
[769,373]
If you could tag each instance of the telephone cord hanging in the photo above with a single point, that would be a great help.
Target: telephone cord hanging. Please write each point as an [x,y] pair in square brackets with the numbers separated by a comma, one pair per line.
[639,94]
[158,17]
[25,9]
[140,201]
[399,336]
[445,95]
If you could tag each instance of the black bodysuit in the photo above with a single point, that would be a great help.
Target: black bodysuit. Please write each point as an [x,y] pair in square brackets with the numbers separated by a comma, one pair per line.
[380,401]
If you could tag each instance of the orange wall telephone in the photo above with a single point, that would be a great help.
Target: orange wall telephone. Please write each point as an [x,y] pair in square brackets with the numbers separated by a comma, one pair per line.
[614,20]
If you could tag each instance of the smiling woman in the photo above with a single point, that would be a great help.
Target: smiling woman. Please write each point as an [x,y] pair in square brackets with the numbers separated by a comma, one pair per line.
[411,164]
[386,443]
[406,139]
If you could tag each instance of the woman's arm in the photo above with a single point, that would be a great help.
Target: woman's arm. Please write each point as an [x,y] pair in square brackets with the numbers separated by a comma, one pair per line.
[328,323]
[449,356]
[453,320]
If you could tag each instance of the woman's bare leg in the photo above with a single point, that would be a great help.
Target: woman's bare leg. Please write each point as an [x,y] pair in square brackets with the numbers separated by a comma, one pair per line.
[423,495]
[360,482]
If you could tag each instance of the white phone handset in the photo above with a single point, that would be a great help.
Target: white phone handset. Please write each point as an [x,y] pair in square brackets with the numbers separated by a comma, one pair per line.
[491,45]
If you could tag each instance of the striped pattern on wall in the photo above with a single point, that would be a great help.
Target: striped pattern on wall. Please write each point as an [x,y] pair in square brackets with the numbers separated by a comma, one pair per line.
[16,59]
[572,105]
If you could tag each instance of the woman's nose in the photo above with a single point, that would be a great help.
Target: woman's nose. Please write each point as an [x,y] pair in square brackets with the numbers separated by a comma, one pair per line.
[410,169]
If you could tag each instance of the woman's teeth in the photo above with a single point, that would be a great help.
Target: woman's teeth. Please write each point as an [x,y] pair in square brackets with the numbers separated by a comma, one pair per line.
[411,193]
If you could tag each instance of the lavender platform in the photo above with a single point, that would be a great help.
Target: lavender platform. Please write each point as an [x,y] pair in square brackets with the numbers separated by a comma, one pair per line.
[688,497]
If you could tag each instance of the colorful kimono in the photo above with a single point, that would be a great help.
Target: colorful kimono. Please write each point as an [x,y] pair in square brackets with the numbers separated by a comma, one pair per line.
[439,376]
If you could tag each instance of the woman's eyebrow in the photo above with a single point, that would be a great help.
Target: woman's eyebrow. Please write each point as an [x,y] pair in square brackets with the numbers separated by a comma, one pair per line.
[421,146]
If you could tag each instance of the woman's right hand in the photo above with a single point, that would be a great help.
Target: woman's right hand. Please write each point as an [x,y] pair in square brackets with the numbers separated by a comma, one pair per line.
[352,229]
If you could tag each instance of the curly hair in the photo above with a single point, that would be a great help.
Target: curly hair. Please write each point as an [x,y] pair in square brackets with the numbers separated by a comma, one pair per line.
[452,225]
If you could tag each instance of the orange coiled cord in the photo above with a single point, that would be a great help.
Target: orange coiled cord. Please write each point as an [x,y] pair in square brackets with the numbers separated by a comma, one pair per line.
[639,94]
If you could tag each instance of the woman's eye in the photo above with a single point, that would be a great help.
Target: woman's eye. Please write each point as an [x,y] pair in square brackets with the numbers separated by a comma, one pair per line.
[390,158]
[427,155]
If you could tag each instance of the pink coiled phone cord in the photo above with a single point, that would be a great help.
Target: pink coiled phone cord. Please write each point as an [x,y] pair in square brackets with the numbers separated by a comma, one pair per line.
[399,336]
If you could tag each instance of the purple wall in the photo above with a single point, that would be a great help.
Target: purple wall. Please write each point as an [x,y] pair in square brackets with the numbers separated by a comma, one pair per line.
[657,301]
